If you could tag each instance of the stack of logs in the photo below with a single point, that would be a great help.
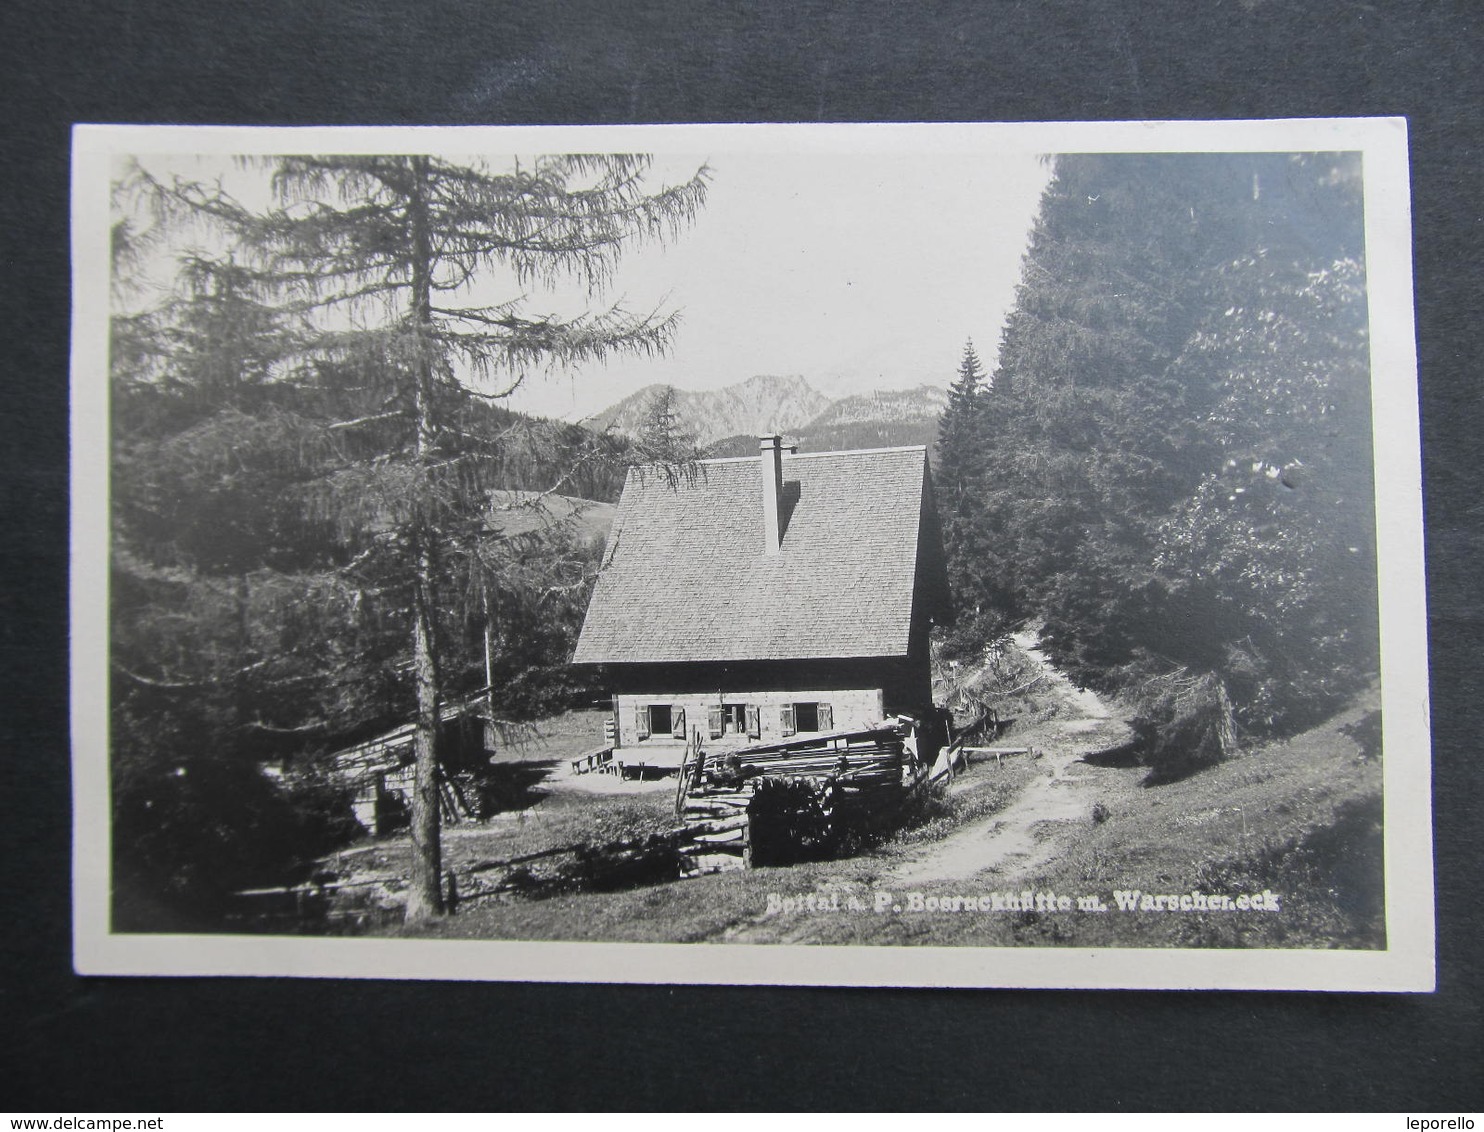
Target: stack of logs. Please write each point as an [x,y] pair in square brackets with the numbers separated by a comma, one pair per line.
[777,802]
[381,772]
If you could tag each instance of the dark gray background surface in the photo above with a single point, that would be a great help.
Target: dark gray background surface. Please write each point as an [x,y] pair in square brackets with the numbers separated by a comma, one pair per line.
[70,1044]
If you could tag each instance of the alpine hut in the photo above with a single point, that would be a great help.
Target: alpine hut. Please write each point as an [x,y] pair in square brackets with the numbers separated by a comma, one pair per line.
[748,600]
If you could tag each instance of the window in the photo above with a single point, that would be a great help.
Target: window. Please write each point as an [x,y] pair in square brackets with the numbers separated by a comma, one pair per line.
[807,717]
[661,719]
[734,719]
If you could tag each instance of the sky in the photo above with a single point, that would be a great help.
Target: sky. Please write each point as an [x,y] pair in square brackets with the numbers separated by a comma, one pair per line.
[857,271]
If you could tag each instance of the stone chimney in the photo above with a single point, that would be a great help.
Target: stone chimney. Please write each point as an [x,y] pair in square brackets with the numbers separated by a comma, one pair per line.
[771,461]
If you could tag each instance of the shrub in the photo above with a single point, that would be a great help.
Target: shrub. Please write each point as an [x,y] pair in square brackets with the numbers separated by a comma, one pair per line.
[791,821]
[628,820]
[1184,724]
[188,835]
[1366,732]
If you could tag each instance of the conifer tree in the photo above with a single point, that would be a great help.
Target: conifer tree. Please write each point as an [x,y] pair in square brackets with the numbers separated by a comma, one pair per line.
[392,264]
[959,430]
[965,433]
[1188,335]
[664,443]
[221,602]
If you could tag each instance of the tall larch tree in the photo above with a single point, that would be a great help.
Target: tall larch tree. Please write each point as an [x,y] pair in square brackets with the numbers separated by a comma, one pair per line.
[411,274]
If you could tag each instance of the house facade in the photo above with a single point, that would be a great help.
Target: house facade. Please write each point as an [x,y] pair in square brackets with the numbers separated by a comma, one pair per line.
[762,598]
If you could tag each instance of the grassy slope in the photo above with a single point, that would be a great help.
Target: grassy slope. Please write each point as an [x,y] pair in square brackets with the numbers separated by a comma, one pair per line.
[709,908]
[1301,818]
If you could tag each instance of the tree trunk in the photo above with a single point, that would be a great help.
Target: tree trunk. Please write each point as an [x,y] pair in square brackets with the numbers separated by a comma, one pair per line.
[425,891]
[489,668]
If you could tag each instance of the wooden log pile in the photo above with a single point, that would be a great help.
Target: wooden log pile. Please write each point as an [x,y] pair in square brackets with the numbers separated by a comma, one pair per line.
[380,771]
[777,802]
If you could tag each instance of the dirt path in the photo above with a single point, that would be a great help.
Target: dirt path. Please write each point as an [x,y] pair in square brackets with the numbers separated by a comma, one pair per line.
[1017,839]
[1014,841]
[1086,706]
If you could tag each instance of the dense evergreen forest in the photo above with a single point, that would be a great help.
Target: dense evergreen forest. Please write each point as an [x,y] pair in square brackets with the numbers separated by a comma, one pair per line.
[1170,466]
[254,621]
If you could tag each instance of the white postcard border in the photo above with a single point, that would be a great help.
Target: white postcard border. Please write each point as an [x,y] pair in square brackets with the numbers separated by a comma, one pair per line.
[1407,964]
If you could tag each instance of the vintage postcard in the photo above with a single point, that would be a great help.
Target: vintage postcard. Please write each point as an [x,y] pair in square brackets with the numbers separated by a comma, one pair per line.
[881,555]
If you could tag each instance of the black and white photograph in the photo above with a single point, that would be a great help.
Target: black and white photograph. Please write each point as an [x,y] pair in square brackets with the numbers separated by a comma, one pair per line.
[870,555]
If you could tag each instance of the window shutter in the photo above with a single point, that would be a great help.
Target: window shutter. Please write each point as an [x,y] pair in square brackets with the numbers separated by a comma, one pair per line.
[754,722]
[786,718]
[826,717]
[677,722]
[714,721]
[641,721]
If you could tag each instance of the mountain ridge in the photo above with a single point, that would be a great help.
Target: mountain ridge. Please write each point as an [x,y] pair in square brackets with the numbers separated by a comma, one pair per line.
[763,403]
[727,421]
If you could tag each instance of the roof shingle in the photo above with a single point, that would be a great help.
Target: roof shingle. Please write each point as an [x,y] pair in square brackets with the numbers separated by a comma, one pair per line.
[685,576]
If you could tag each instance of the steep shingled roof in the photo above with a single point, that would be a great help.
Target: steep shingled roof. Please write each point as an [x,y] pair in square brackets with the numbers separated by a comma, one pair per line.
[685,576]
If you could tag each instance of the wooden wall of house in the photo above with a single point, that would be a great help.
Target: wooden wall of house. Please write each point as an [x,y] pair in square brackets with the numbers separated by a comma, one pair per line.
[774,711]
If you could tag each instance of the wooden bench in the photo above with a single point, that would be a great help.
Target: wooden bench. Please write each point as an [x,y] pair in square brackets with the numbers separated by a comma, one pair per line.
[593,760]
